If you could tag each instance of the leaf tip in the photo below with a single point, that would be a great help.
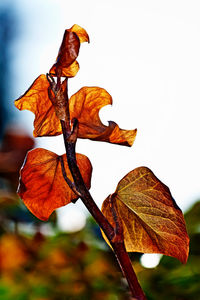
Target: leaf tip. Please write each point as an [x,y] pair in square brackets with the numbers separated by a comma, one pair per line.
[185,256]
[80,32]
[132,137]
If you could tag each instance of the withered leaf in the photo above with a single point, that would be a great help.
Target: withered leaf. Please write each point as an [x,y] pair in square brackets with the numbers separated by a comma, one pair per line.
[68,52]
[66,64]
[85,105]
[151,220]
[36,99]
[42,186]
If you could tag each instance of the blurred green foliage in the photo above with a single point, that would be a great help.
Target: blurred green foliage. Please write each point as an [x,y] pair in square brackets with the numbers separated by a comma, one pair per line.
[79,266]
[64,266]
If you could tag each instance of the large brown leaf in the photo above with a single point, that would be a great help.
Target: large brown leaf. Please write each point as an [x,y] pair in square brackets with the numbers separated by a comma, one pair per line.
[66,64]
[36,99]
[42,186]
[85,106]
[151,220]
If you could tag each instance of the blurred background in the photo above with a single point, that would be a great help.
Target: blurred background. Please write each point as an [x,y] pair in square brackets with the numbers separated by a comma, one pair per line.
[146,54]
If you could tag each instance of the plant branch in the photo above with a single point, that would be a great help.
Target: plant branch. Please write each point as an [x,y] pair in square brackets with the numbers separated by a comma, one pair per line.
[118,247]
[127,269]
[120,252]
[80,185]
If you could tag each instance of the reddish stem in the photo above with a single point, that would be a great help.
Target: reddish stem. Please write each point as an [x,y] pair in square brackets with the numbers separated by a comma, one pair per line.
[118,247]
[127,269]
[80,185]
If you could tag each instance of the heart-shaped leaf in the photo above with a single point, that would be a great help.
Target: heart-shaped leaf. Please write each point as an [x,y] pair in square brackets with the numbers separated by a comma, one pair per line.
[151,220]
[42,186]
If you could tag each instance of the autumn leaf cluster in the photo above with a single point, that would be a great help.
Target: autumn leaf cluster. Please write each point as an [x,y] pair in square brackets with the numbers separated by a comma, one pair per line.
[148,216]
[42,170]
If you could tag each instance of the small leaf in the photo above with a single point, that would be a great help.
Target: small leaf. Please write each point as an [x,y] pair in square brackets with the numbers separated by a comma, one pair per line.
[42,186]
[66,64]
[85,105]
[68,52]
[151,220]
[36,99]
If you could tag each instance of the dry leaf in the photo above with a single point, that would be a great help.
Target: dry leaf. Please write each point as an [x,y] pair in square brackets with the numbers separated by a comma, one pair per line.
[85,106]
[36,99]
[68,52]
[42,186]
[66,64]
[151,220]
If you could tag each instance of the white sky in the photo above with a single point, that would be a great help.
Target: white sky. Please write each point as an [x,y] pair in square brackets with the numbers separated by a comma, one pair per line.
[147,55]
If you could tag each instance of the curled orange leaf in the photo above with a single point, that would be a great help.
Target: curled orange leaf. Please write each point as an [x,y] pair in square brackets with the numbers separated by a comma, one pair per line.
[68,52]
[42,186]
[36,99]
[151,220]
[66,64]
[85,105]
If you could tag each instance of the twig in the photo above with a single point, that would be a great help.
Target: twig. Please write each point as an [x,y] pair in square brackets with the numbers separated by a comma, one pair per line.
[118,246]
